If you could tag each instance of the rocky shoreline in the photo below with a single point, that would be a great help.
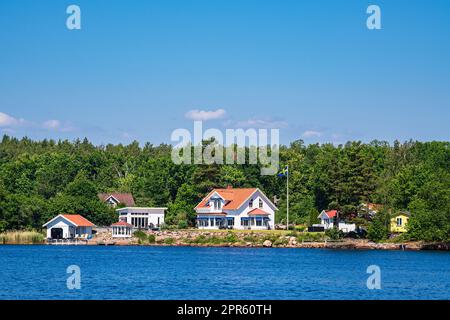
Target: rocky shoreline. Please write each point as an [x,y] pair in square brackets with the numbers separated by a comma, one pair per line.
[256,239]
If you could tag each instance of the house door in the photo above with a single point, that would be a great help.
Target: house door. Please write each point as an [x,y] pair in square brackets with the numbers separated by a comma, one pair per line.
[57,233]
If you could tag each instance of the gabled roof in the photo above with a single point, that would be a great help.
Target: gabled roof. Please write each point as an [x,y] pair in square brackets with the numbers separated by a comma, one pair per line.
[125,198]
[402,213]
[234,197]
[75,219]
[329,213]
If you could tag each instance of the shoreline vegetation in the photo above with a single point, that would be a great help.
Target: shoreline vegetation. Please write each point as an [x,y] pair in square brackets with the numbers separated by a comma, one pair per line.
[233,238]
[22,237]
[42,179]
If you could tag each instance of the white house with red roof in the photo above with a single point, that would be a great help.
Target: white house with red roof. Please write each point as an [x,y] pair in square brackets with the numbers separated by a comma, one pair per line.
[236,208]
[69,226]
[330,218]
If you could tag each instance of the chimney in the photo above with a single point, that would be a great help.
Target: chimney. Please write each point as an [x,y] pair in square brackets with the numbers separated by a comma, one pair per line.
[229,186]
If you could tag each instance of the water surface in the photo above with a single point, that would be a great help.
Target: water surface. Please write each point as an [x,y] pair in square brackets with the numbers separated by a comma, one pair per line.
[136,272]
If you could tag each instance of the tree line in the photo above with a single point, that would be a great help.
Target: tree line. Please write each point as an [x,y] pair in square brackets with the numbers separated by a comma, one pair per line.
[40,179]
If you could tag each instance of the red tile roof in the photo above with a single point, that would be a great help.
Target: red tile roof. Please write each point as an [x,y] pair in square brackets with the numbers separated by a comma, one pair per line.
[257,212]
[78,220]
[331,213]
[212,214]
[234,198]
[125,198]
[121,224]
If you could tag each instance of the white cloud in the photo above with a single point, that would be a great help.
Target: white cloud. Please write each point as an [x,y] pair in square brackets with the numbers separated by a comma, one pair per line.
[8,121]
[57,125]
[311,134]
[204,115]
[52,124]
[258,124]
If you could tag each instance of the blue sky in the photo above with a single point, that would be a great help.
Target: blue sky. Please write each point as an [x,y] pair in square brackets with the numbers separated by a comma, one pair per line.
[140,69]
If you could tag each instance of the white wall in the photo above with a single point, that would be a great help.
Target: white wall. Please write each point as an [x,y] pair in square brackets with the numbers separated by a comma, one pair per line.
[136,212]
[67,227]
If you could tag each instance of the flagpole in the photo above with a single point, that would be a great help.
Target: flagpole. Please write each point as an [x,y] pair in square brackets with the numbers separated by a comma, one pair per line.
[287,197]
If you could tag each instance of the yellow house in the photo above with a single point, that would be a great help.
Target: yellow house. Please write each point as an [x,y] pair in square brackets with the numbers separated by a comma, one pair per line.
[399,222]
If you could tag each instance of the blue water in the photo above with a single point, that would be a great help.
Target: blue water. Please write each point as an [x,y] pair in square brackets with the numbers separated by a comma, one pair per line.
[39,272]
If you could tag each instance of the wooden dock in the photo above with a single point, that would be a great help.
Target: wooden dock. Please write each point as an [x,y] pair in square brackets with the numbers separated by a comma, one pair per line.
[69,242]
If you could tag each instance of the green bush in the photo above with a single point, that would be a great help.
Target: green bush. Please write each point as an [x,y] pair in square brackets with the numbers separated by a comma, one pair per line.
[378,230]
[141,236]
[334,234]
[300,228]
[281,241]
[151,238]
[293,233]
[169,241]
[231,237]
[182,224]
[250,238]
[271,237]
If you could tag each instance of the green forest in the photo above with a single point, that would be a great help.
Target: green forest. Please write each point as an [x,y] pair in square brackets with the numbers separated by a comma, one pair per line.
[40,179]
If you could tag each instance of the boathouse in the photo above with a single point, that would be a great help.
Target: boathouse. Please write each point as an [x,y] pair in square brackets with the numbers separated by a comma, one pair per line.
[69,226]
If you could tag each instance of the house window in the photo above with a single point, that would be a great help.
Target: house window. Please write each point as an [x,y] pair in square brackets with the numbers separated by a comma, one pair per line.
[250,203]
[260,203]
[244,222]
[217,204]
[399,222]
[258,222]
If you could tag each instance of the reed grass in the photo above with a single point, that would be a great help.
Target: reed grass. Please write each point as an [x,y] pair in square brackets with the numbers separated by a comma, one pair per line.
[22,237]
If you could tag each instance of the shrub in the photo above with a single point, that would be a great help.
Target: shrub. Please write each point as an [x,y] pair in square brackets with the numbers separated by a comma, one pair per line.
[250,238]
[169,241]
[281,241]
[271,237]
[334,234]
[292,233]
[182,224]
[151,238]
[141,235]
[377,230]
[231,237]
